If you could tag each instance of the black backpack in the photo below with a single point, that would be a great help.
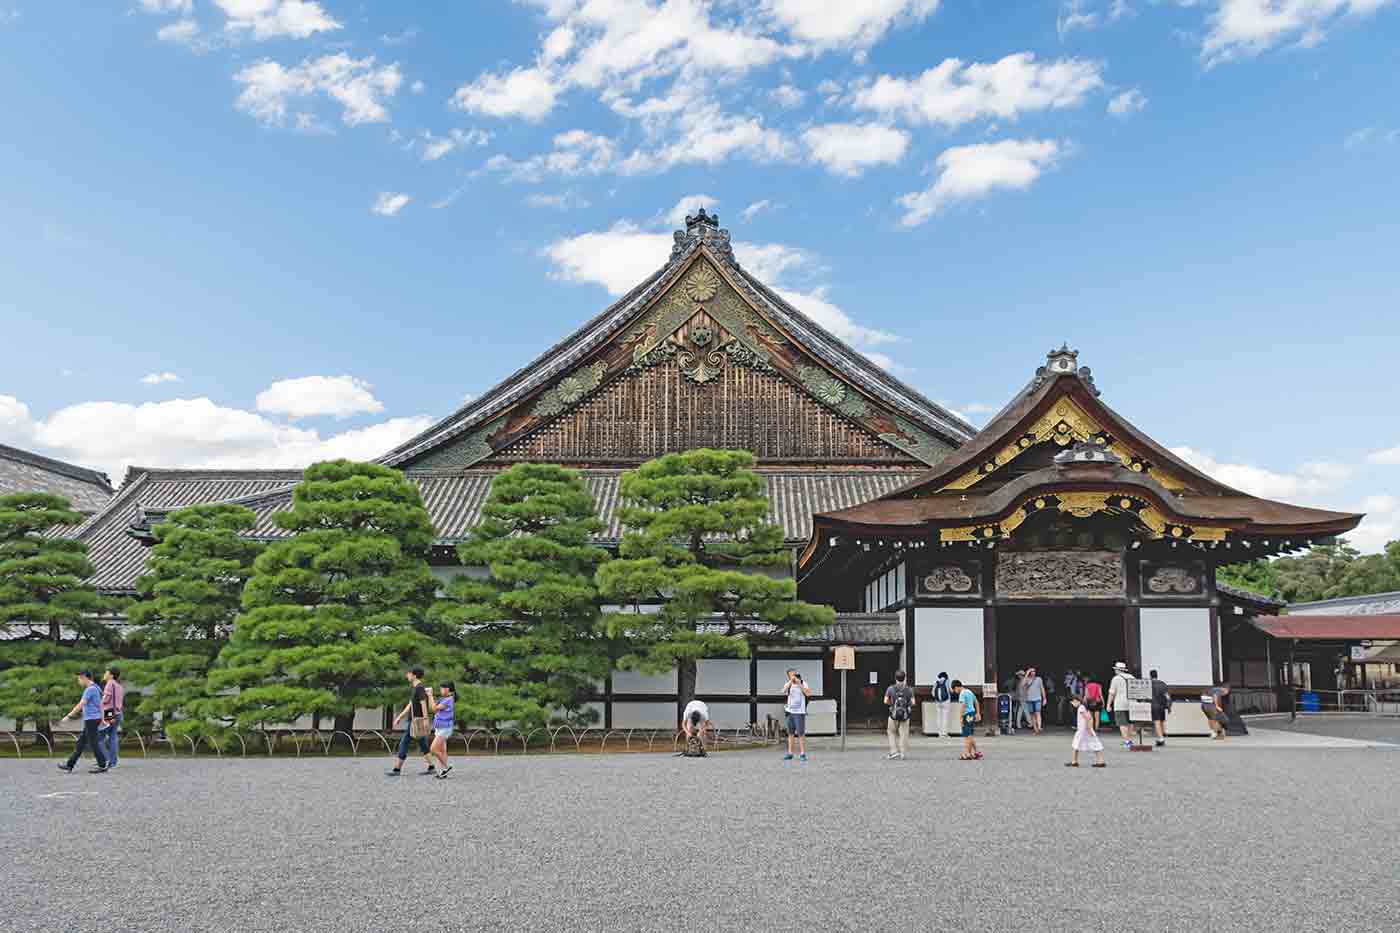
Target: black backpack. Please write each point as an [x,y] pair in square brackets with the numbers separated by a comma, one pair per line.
[694,748]
[940,692]
[899,705]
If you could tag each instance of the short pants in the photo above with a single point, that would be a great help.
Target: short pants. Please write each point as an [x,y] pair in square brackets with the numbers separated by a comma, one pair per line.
[969,724]
[445,733]
[1032,706]
[1121,718]
[797,723]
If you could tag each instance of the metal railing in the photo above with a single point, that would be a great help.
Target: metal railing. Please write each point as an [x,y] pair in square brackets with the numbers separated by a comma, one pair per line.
[1382,702]
[541,741]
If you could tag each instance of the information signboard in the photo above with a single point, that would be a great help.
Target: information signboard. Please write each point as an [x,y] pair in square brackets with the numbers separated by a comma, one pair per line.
[845,658]
[1139,699]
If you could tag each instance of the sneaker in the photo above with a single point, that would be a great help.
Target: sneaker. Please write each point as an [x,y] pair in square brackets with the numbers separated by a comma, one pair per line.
[393,772]
[68,769]
[978,757]
[802,757]
[100,769]
[429,770]
[892,756]
[1160,743]
[901,756]
[442,775]
[787,757]
[1127,743]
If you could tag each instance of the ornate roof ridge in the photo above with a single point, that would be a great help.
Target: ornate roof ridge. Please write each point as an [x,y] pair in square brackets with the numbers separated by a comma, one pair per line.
[61,467]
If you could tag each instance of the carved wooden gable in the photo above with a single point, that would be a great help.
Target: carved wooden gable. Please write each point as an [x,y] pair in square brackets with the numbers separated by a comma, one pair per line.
[700,367]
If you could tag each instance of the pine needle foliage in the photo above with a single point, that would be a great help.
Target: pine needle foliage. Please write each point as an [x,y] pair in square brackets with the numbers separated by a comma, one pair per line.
[331,615]
[534,651]
[697,542]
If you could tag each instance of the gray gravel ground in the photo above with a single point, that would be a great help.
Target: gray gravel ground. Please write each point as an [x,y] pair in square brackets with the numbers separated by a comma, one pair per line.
[1346,725]
[1194,837]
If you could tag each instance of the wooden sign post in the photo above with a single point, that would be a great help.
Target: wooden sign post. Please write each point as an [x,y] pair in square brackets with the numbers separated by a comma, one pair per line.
[845,661]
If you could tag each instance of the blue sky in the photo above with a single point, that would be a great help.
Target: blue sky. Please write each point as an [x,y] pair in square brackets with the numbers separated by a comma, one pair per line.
[260,232]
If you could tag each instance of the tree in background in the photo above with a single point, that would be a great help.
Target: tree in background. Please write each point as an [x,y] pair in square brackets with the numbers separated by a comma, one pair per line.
[191,593]
[530,630]
[49,616]
[697,541]
[332,615]
[1324,571]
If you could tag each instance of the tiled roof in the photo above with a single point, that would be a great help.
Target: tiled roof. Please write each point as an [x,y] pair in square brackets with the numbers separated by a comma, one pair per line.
[848,629]
[1373,604]
[453,501]
[24,471]
[1248,597]
[1331,627]
[119,558]
[573,349]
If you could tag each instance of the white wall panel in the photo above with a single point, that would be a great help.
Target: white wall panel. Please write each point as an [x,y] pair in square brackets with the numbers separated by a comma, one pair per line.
[635,682]
[722,676]
[948,639]
[771,674]
[1177,643]
[729,715]
[645,716]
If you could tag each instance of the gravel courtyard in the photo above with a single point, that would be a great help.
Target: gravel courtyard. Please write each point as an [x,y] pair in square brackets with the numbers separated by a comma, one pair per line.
[1232,837]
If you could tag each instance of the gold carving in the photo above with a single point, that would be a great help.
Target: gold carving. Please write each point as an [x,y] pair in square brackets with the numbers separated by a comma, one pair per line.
[1064,423]
[702,283]
[1084,505]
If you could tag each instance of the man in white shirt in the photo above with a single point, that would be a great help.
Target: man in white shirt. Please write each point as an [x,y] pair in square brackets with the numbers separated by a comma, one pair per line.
[696,719]
[795,695]
[1118,701]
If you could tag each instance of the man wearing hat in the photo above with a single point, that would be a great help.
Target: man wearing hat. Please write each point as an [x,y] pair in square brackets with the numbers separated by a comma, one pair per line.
[1118,701]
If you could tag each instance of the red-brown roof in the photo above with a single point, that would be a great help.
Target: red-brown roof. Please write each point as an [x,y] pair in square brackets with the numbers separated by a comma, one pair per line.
[1331,628]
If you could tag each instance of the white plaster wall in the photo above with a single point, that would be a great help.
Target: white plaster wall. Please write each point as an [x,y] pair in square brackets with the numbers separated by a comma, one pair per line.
[1176,641]
[645,716]
[729,715]
[773,673]
[948,638]
[634,682]
[722,675]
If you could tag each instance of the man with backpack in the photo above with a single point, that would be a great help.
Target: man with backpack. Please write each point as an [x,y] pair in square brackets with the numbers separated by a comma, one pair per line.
[900,699]
[943,706]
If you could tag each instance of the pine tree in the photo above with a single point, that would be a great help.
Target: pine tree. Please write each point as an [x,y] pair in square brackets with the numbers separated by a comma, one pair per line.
[530,631]
[331,615]
[191,593]
[51,619]
[698,539]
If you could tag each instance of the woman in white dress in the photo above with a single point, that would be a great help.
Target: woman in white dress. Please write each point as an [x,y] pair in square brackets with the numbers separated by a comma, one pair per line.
[1086,736]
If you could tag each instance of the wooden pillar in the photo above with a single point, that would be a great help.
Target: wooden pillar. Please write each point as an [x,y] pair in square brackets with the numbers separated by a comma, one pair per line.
[753,688]
[989,645]
[1132,639]
[1215,659]
[607,701]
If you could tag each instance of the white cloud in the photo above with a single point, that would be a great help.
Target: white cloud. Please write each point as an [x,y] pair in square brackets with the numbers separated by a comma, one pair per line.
[181,32]
[167,6]
[1359,137]
[576,152]
[705,135]
[758,207]
[850,148]
[953,93]
[308,396]
[1127,103]
[358,85]
[418,87]
[16,425]
[855,23]
[155,379]
[1244,28]
[565,200]
[399,38]
[786,96]
[689,204]
[974,171]
[389,203]
[522,92]
[435,147]
[277,19]
[625,254]
[1073,16]
[1308,481]
[1389,457]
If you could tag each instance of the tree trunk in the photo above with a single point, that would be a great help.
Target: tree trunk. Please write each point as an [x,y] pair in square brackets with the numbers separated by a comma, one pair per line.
[685,679]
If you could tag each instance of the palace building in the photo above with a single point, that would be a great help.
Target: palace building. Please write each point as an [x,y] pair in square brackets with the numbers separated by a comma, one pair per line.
[1057,534]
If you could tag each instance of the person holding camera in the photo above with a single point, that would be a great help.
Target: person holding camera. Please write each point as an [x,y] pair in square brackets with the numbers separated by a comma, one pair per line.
[796,693]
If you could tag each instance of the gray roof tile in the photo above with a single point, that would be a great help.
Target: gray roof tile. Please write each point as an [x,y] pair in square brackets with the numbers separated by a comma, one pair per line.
[24,471]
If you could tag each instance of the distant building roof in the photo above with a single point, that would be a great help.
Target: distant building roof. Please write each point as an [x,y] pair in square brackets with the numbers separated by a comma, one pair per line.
[25,471]
[1372,604]
[1331,627]
[1250,599]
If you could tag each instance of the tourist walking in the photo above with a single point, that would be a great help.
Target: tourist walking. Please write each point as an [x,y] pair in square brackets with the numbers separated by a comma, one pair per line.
[1034,698]
[694,720]
[113,702]
[944,707]
[419,714]
[796,694]
[1086,733]
[971,713]
[1213,705]
[442,725]
[900,699]
[1118,702]
[1016,686]
[1161,705]
[90,705]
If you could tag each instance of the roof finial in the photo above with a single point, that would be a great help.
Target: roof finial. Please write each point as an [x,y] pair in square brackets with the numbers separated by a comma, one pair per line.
[703,227]
[1064,362]
[701,217]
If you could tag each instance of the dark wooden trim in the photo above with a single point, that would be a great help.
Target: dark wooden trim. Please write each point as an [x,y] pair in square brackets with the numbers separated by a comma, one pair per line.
[1215,644]
[753,688]
[1132,639]
[989,645]
[607,701]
